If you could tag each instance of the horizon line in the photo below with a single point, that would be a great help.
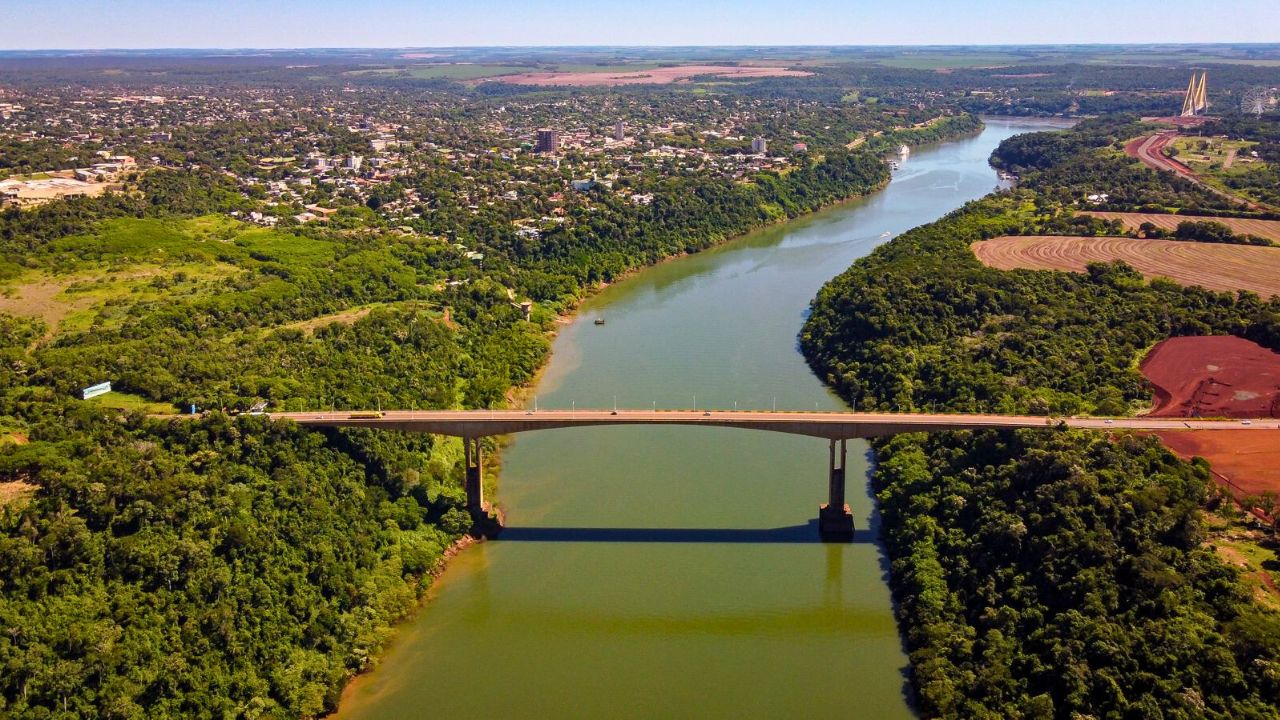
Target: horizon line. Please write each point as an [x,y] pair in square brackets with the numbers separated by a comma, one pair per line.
[1207,43]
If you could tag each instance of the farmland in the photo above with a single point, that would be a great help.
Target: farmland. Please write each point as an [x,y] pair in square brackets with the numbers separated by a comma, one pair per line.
[444,71]
[1215,267]
[655,76]
[1269,229]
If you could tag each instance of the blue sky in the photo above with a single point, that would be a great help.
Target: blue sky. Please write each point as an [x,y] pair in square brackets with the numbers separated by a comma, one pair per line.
[399,23]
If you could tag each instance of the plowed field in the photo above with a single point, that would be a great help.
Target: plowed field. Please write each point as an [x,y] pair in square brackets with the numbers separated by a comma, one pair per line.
[1212,266]
[1269,229]
[655,76]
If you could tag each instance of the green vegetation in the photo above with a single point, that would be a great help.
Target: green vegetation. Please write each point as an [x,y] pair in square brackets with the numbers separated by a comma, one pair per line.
[1203,231]
[125,401]
[1256,178]
[1089,160]
[207,568]
[933,61]
[1045,575]
[218,566]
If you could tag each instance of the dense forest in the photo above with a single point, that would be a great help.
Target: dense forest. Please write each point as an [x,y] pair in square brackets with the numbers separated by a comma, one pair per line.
[1045,575]
[221,566]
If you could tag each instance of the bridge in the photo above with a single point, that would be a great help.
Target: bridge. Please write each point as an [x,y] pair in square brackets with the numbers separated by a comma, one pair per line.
[835,521]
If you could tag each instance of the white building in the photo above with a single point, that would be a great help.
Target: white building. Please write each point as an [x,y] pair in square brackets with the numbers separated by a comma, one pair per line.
[354,162]
[759,146]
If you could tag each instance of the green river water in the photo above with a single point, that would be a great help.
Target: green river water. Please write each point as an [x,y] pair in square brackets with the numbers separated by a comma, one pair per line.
[675,572]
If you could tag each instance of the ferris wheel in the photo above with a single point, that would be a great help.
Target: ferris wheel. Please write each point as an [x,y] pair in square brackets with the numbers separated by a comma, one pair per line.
[1255,100]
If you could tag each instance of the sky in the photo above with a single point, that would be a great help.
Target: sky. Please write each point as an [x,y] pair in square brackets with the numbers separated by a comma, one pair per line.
[78,24]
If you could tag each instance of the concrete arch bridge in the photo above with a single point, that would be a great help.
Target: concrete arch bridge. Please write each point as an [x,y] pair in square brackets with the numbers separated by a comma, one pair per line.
[835,521]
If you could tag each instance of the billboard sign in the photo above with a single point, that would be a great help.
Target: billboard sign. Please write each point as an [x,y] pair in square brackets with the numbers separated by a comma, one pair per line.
[96,390]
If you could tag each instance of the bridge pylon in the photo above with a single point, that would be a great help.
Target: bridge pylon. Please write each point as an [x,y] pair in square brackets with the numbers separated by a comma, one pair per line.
[835,519]
[486,523]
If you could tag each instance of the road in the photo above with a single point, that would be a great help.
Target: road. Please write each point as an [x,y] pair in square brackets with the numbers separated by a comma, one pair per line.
[832,425]
[1150,150]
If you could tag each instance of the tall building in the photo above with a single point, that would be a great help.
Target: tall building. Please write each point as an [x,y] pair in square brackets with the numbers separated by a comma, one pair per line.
[759,146]
[353,162]
[620,131]
[548,141]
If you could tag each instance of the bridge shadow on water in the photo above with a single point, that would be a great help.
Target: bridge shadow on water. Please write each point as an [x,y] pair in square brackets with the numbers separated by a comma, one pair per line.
[793,534]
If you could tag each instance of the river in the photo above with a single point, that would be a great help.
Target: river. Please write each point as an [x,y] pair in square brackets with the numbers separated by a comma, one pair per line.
[663,572]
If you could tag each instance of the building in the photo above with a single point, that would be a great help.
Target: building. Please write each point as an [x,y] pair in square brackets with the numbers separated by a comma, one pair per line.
[620,131]
[38,192]
[354,162]
[759,146]
[548,141]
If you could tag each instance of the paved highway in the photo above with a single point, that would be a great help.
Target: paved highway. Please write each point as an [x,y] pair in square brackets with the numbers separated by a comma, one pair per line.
[832,425]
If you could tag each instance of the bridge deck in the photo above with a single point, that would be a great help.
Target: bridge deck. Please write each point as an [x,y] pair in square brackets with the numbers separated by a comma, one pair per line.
[830,425]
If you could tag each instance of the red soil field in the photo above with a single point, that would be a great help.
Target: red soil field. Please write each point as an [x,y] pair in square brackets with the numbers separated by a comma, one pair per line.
[1214,376]
[1213,266]
[1269,229]
[655,76]
[1220,376]
[1246,461]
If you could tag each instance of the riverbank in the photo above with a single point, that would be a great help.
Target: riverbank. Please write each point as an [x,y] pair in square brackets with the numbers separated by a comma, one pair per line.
[950,129]
[1012,553]
[519,396]
[721,515]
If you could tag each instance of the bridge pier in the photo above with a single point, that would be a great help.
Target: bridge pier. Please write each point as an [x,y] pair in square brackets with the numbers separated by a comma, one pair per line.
[486,523]
[835,519]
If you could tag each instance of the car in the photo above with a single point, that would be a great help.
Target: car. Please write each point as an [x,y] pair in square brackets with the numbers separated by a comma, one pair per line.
[1109,421]
[1246,422]
[615,412]
[706,414]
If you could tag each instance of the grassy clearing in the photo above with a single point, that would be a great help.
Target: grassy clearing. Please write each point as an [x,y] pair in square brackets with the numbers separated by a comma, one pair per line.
[1216,160]
[15,493]
[273,246]
[1244,545]
[1215,155]
[123,242]
[127,401]
[76,302]
[133,241]
[351,315]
